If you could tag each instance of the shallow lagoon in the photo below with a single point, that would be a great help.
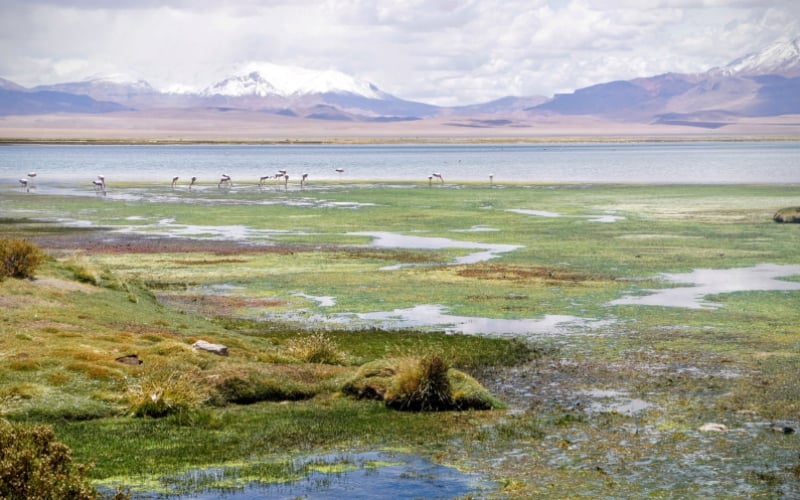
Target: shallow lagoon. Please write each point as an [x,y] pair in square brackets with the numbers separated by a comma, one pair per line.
[625,162]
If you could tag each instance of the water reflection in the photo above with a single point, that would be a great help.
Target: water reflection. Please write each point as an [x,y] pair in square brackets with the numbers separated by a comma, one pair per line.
[393,240]
[369,475]
[704,282]
[436,316]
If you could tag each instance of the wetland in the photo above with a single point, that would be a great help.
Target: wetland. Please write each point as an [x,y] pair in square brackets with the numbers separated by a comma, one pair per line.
[610,322]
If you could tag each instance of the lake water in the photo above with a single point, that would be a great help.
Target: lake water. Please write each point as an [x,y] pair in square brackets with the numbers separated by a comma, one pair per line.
[647,162]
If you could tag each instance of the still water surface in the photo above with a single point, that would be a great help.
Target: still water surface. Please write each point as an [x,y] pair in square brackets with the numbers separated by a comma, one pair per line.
[660,162]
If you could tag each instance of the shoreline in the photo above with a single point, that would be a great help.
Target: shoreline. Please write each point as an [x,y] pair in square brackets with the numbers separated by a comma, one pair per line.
[555,139]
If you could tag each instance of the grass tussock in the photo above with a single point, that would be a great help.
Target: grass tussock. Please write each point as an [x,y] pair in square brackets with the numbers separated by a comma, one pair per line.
[163,389]
[315,348]
[419,384]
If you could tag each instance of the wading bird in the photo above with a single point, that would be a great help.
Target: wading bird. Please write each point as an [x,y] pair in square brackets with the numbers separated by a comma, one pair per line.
[194,179]
[262,179]
[100,184]
[24,184]
[438,176]
[340,170]
[174,181]
[303,180]
[225,179]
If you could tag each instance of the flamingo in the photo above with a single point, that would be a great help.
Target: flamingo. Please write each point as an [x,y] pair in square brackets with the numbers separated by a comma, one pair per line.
[438,176]
[174,180]
[100,184]
[285,181]
[24,183]
[262,179]
[340,170]
[194,179]
[224,179]
[303,179]
[491,179]
[430,180]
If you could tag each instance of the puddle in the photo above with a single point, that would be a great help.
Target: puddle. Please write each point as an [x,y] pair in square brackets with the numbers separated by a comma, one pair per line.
[394,240]
[537,213]
[167,227]
[321,300]
[606,218]
[614,401]
[433,316]
[359,476]
[476,229]
[703,282]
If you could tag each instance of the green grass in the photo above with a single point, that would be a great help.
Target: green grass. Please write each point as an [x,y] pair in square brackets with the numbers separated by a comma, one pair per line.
[735,365]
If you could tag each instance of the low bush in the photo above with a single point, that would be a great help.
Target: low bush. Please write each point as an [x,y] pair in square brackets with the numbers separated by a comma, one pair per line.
[33,464]
[19,258]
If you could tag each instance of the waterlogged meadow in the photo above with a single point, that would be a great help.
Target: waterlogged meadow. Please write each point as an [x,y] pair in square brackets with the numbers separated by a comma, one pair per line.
[633,340]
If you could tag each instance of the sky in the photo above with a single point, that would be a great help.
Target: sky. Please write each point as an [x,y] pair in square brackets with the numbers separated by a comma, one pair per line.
[443,52]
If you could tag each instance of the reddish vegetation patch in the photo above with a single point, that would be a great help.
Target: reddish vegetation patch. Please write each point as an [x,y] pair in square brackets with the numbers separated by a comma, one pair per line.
[208,262]
[217,304]
[525,273]
[114,243]
[391,255]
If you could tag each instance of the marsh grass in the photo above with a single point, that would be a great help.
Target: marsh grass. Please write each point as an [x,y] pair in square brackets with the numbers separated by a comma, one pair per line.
[734,365]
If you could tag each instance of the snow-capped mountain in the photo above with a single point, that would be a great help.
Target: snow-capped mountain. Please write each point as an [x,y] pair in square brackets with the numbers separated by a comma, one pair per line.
[266,79]
[781,58]
[115,88]
[764,83]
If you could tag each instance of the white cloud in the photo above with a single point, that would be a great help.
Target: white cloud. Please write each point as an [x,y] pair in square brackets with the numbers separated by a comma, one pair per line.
[438,51]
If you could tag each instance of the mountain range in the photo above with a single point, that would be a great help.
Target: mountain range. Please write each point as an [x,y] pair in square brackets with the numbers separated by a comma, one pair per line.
[761,84]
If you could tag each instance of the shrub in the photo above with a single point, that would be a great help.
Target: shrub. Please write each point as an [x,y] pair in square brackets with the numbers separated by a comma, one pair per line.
[34,465]
[315,348]
[19,258]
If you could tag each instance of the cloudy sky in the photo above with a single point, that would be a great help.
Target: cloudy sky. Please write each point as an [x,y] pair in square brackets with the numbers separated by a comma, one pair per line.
[437,51]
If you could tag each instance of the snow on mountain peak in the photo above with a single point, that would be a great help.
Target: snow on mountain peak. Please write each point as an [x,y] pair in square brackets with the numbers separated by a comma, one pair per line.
[264,79]
[780,58]
[117,79]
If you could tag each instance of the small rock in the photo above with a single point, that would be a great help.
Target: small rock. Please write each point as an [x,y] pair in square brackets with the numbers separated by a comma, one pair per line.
[130,359]
[218,349]
[782,428]
[713,427]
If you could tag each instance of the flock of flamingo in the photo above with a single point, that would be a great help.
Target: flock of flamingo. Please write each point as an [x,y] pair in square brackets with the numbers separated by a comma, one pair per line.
[225,179]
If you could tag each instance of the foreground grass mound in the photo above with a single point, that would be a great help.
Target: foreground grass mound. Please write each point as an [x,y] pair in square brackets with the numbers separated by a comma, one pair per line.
[791,214]
[419,384]
[33,464]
